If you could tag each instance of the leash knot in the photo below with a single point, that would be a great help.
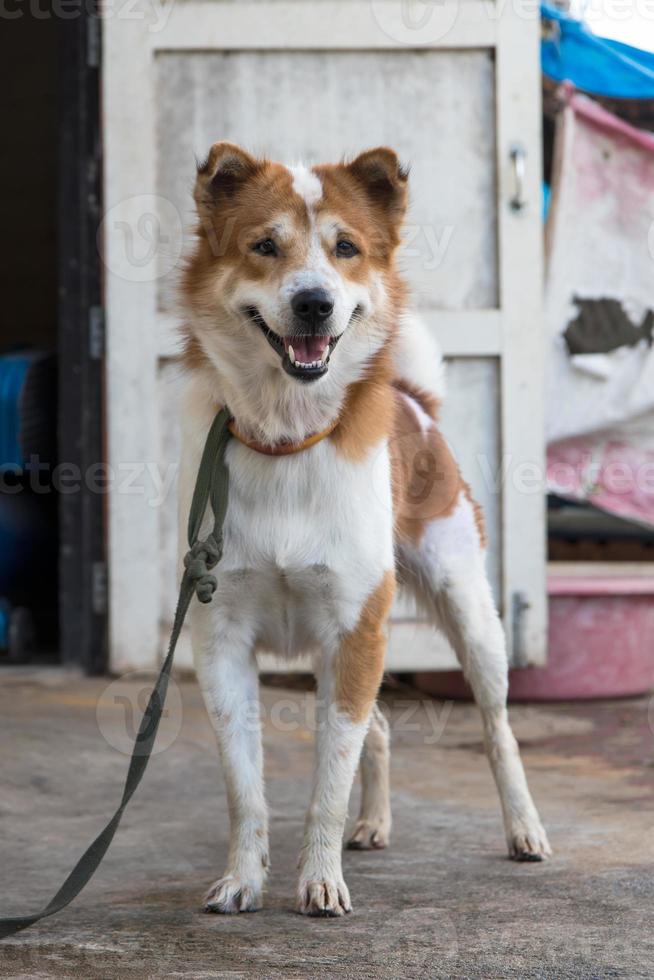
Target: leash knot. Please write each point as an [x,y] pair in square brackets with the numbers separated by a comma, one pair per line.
[202,556]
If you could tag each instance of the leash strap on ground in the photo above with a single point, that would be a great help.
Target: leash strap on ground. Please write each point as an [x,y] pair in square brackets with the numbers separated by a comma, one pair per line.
[211,485]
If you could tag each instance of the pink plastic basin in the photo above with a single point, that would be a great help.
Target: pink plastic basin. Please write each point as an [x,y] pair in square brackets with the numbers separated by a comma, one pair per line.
[601,639]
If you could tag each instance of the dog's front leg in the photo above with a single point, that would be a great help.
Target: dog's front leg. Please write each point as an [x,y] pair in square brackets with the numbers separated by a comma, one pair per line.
[227,672]
[348,680]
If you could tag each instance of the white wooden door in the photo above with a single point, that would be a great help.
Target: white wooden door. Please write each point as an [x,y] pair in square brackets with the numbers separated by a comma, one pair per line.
[453,87]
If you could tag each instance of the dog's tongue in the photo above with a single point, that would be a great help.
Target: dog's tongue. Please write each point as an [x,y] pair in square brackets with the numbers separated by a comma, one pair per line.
[306,349]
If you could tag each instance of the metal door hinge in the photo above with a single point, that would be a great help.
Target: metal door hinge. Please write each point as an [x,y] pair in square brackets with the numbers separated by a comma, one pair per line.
[93,40]
[99,587]
[519,606]
[518,156]
[96,333]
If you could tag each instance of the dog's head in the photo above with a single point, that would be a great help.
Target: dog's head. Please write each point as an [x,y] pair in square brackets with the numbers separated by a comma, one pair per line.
[292,262]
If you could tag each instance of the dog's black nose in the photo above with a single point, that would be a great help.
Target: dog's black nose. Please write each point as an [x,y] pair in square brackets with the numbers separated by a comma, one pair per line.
[312,306]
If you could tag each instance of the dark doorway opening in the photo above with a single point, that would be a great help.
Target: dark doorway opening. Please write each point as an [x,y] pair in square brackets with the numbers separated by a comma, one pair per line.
[52,539]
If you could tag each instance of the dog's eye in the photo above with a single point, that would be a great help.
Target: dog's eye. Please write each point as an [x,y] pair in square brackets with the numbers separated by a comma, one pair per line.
[265,247]
[346,249]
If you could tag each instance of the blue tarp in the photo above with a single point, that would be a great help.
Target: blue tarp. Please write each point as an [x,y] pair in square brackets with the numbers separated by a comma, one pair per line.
[594,64]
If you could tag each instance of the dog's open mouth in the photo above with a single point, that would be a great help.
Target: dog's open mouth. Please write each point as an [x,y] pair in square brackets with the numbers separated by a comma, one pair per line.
[305,357]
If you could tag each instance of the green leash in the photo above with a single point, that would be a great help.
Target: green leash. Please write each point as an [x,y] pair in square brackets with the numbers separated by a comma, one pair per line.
[212,485]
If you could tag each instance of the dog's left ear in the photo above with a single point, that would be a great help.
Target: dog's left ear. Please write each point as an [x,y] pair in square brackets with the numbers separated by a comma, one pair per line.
[384,178]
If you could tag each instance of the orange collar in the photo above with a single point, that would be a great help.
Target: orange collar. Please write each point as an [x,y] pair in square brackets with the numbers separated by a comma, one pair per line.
[282,448]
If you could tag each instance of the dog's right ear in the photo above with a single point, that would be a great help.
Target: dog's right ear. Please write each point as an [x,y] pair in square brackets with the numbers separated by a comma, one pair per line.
[225,170]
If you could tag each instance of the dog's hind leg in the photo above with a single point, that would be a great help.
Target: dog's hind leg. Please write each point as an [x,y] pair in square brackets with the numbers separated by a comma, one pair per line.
[446,569]
[373,827]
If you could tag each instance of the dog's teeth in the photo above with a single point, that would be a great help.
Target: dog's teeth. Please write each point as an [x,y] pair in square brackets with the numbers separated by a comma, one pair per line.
[325,354]
[305,365]
[291,354]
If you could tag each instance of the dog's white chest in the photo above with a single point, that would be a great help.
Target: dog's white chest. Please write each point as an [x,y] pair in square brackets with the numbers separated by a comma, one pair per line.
[306,539]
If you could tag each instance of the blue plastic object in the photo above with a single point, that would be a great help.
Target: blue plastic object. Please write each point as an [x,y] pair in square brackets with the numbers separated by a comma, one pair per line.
[27,421]
[594,64]
[5,615]
[13,372]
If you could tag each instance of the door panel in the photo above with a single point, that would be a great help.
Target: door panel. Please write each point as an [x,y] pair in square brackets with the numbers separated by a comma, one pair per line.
[435,108]
[317,80]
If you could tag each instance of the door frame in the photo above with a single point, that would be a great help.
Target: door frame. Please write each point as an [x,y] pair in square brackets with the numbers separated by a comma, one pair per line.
[83,613]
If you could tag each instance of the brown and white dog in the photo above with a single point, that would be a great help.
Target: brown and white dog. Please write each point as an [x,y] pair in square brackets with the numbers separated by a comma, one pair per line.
[297,320]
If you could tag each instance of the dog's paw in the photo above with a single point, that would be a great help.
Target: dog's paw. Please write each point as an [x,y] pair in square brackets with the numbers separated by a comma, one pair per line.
[324,898]
[231,894]
[529,844]
[369,835]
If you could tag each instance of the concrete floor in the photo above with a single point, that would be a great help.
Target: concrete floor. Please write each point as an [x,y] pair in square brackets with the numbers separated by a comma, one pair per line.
[441,902]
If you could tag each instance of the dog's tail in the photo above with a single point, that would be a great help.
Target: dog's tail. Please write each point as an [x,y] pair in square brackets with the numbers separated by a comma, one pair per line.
[419,368]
